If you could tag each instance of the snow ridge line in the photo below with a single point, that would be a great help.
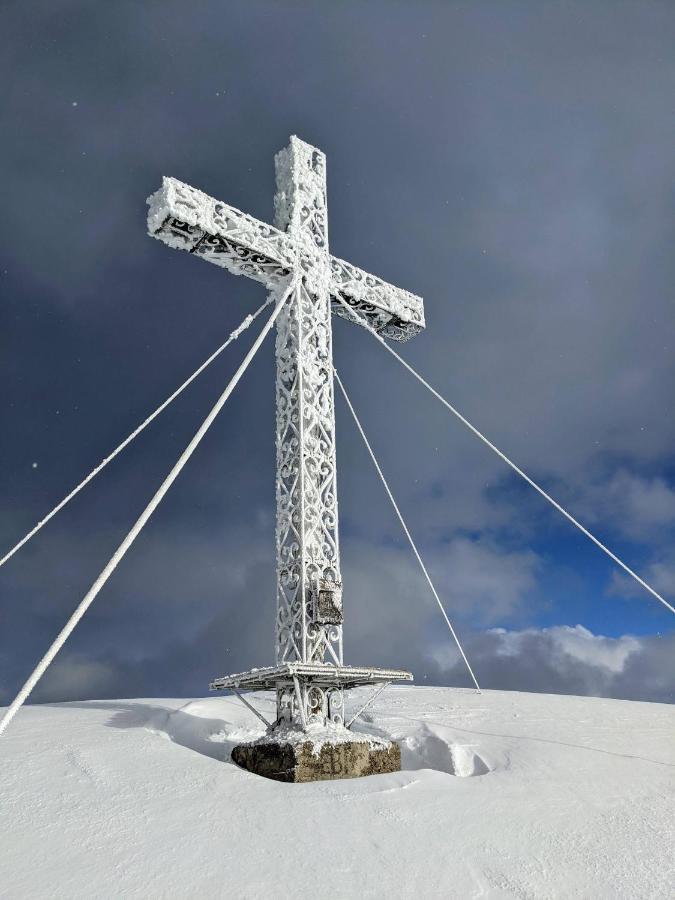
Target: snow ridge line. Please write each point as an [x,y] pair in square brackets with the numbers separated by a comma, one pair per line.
[134,434]
[117,556]
[355,317]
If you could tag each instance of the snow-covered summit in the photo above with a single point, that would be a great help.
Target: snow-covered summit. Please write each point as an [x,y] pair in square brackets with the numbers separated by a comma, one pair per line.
[502,795]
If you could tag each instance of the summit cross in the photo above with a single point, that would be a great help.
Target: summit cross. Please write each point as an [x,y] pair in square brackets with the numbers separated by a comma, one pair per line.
[293,256]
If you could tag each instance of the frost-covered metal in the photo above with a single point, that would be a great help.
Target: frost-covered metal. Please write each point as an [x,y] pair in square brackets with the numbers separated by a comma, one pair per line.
[188,219]
[309,675]
[308,551]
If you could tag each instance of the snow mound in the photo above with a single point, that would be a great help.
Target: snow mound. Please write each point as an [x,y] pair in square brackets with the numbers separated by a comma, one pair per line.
[426,749]
[194,727]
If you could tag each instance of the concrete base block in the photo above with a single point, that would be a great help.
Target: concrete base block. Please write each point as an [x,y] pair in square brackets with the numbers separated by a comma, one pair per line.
[311,761]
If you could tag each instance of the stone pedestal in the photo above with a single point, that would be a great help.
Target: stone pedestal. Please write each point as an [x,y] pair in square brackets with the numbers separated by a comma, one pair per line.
[312,760]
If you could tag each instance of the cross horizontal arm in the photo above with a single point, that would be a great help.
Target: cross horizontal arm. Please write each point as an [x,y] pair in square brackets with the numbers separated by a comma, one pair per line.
[188,219]
[391,311]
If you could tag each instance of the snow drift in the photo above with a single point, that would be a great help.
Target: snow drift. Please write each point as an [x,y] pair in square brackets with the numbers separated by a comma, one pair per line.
[501,795]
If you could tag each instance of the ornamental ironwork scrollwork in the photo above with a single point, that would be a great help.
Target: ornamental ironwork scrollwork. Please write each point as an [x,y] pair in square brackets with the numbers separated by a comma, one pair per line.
[296,250]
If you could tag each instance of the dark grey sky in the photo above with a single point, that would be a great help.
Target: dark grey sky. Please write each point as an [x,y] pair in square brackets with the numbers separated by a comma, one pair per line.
[513,163]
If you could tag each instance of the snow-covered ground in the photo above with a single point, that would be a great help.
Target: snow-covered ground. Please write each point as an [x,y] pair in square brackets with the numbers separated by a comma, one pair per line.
[502,795]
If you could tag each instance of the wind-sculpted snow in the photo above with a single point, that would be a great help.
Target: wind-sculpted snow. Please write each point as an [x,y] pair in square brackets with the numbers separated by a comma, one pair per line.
[427,749]
[424,747]
[501,795]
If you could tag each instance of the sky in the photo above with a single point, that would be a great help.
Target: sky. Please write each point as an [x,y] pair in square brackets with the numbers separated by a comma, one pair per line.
[509,161]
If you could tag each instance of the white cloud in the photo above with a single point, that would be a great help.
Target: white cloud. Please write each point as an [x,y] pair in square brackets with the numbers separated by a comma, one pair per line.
[572,643]
[480,576]
[638,506]
[565,659]
[73,677]
[385,587]
[660,574]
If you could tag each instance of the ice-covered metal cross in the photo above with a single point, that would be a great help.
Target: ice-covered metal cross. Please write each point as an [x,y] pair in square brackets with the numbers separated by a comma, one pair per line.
[309,675]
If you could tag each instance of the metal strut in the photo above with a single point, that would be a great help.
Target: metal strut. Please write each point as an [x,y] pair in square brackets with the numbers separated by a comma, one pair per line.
[117,556]
[373,697]
[251,707]
[407,532]
[504,457]
[247,321]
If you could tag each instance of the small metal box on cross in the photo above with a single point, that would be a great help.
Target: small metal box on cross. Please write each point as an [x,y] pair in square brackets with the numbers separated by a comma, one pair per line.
[309,676]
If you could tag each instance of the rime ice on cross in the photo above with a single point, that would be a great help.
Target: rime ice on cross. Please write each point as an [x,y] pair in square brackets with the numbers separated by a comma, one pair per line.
[309,676]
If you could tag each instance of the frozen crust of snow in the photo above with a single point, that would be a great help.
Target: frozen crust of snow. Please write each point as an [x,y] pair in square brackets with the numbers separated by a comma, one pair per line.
[501,795]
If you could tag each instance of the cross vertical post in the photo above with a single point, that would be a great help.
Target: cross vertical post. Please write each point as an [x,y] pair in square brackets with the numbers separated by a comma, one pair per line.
[309,605]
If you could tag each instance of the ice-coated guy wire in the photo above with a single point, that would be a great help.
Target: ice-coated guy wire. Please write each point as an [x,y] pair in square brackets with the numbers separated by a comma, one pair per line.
[248,320]
[405,529]
[90,596]
[355,317]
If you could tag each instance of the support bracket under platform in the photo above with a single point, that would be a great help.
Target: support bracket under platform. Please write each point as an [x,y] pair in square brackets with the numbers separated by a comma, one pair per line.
[309,695]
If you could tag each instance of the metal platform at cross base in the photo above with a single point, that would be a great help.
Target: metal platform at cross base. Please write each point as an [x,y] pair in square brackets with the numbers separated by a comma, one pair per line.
[318,673]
